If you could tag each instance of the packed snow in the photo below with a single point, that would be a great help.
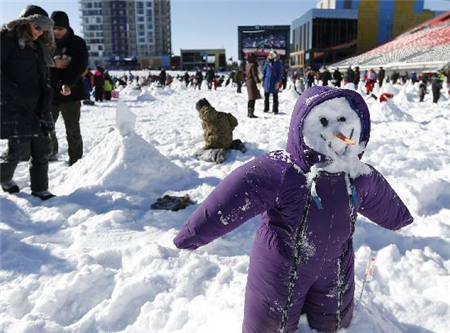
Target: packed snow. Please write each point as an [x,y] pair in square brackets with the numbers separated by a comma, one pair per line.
[97,259]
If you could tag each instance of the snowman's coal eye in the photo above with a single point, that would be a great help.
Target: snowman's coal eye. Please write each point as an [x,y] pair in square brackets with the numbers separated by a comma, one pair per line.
[324,121]
[342,119]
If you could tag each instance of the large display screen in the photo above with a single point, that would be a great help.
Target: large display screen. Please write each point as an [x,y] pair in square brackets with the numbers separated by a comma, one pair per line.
[262,40]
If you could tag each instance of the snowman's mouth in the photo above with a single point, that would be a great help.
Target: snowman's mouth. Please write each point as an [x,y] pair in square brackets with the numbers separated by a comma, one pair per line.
[342,137]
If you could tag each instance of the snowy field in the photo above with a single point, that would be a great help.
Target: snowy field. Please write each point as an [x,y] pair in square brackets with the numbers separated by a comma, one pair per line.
[97,259]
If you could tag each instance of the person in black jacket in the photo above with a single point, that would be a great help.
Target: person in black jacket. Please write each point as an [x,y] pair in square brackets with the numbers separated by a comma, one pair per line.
[26,97]
[337,77]
[210,75]
[71,58]
[325,76]
[162,77]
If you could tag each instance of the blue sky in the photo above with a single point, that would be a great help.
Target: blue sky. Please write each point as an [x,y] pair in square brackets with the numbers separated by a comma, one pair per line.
[202,23]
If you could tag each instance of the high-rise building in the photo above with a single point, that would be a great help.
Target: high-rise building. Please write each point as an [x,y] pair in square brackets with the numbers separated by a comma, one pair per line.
[127,29]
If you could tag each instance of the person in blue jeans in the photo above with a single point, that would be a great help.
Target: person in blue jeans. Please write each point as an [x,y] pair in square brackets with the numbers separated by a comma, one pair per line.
[272,78]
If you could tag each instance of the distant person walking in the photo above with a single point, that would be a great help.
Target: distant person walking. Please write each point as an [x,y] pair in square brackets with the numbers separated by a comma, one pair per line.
[337,77]
[99,84]
[198,79]
[436,87]
[162,77]
[422,89]
[108,86]
[357,77]
[239,79]
[25,98]
[381,76]
[187,78]
[309,78]
[325,76]
[252,79]
[272,76]
[71,59]
[349,76]
[210,75]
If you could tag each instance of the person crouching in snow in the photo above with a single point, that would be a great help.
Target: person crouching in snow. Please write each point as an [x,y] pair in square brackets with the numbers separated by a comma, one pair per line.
[218,133]
[309,196]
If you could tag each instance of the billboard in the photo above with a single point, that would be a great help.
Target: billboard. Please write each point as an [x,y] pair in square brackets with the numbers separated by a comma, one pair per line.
[262,39]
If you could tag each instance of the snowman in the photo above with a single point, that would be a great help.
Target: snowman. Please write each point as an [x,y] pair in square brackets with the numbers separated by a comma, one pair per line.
[308,196]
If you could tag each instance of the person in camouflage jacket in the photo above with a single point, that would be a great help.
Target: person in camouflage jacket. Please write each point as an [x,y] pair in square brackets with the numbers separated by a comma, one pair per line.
[218,133]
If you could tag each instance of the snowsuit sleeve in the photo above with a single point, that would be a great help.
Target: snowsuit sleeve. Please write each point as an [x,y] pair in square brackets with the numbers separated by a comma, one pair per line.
[380,203]
[246,192]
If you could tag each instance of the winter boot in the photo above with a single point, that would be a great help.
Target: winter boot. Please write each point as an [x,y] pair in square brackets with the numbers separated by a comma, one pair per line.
[10,187]
[43,195]
[266,102]
[251,113]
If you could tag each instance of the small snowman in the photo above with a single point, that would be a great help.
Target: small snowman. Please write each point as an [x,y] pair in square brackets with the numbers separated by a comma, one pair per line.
[308,196]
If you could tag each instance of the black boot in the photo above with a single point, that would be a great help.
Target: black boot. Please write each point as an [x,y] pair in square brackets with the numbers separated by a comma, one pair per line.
[275,103]
[251,113]
[266,102]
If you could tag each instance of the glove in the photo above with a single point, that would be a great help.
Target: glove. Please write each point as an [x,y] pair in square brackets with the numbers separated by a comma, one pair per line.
[201,103]
[47,124]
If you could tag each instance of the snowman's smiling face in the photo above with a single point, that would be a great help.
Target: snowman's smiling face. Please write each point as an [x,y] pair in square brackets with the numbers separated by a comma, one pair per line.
[333,129]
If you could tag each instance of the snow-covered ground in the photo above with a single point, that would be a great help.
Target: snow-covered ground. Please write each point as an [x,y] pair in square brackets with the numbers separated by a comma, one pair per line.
[97,259]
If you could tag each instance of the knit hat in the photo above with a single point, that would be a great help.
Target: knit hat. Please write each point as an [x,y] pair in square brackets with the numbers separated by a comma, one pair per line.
[61,19]
[32,14]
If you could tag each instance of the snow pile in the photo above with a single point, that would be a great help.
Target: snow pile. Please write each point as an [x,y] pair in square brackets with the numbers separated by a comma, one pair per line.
[146,95]
[289,95]
[125,163]
[131,91]
[408,93]
[388,111]
[125,119]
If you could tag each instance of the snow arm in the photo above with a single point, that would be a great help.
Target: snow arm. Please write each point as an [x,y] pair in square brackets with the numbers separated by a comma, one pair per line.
[380,203]
[246,192]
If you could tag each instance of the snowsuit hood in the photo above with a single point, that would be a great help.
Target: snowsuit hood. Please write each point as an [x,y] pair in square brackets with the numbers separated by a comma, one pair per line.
[305,156]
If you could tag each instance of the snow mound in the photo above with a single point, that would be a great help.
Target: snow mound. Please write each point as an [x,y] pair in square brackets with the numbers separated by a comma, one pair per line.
[388,88]
[126,163]
[178,86]
[125,119]
[146,96]
[367,318]
[161,91]
[388,112]
[432,196]
[408,93]
[290,95]
[132,91]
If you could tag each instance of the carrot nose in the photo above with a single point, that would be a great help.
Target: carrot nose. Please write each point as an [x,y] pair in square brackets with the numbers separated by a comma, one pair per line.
[341,136]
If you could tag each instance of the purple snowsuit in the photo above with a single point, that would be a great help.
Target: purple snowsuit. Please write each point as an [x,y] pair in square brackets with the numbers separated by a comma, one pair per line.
[302,259]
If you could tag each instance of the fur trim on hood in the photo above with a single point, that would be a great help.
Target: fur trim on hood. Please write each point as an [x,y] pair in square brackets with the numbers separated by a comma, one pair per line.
[32,14]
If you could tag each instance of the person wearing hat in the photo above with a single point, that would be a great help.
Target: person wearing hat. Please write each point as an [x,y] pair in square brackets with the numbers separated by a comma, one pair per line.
[25,99]
[252,79]
[272,76]
[71,59]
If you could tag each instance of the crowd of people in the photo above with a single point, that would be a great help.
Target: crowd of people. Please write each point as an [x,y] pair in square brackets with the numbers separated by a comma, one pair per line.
[369,78]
